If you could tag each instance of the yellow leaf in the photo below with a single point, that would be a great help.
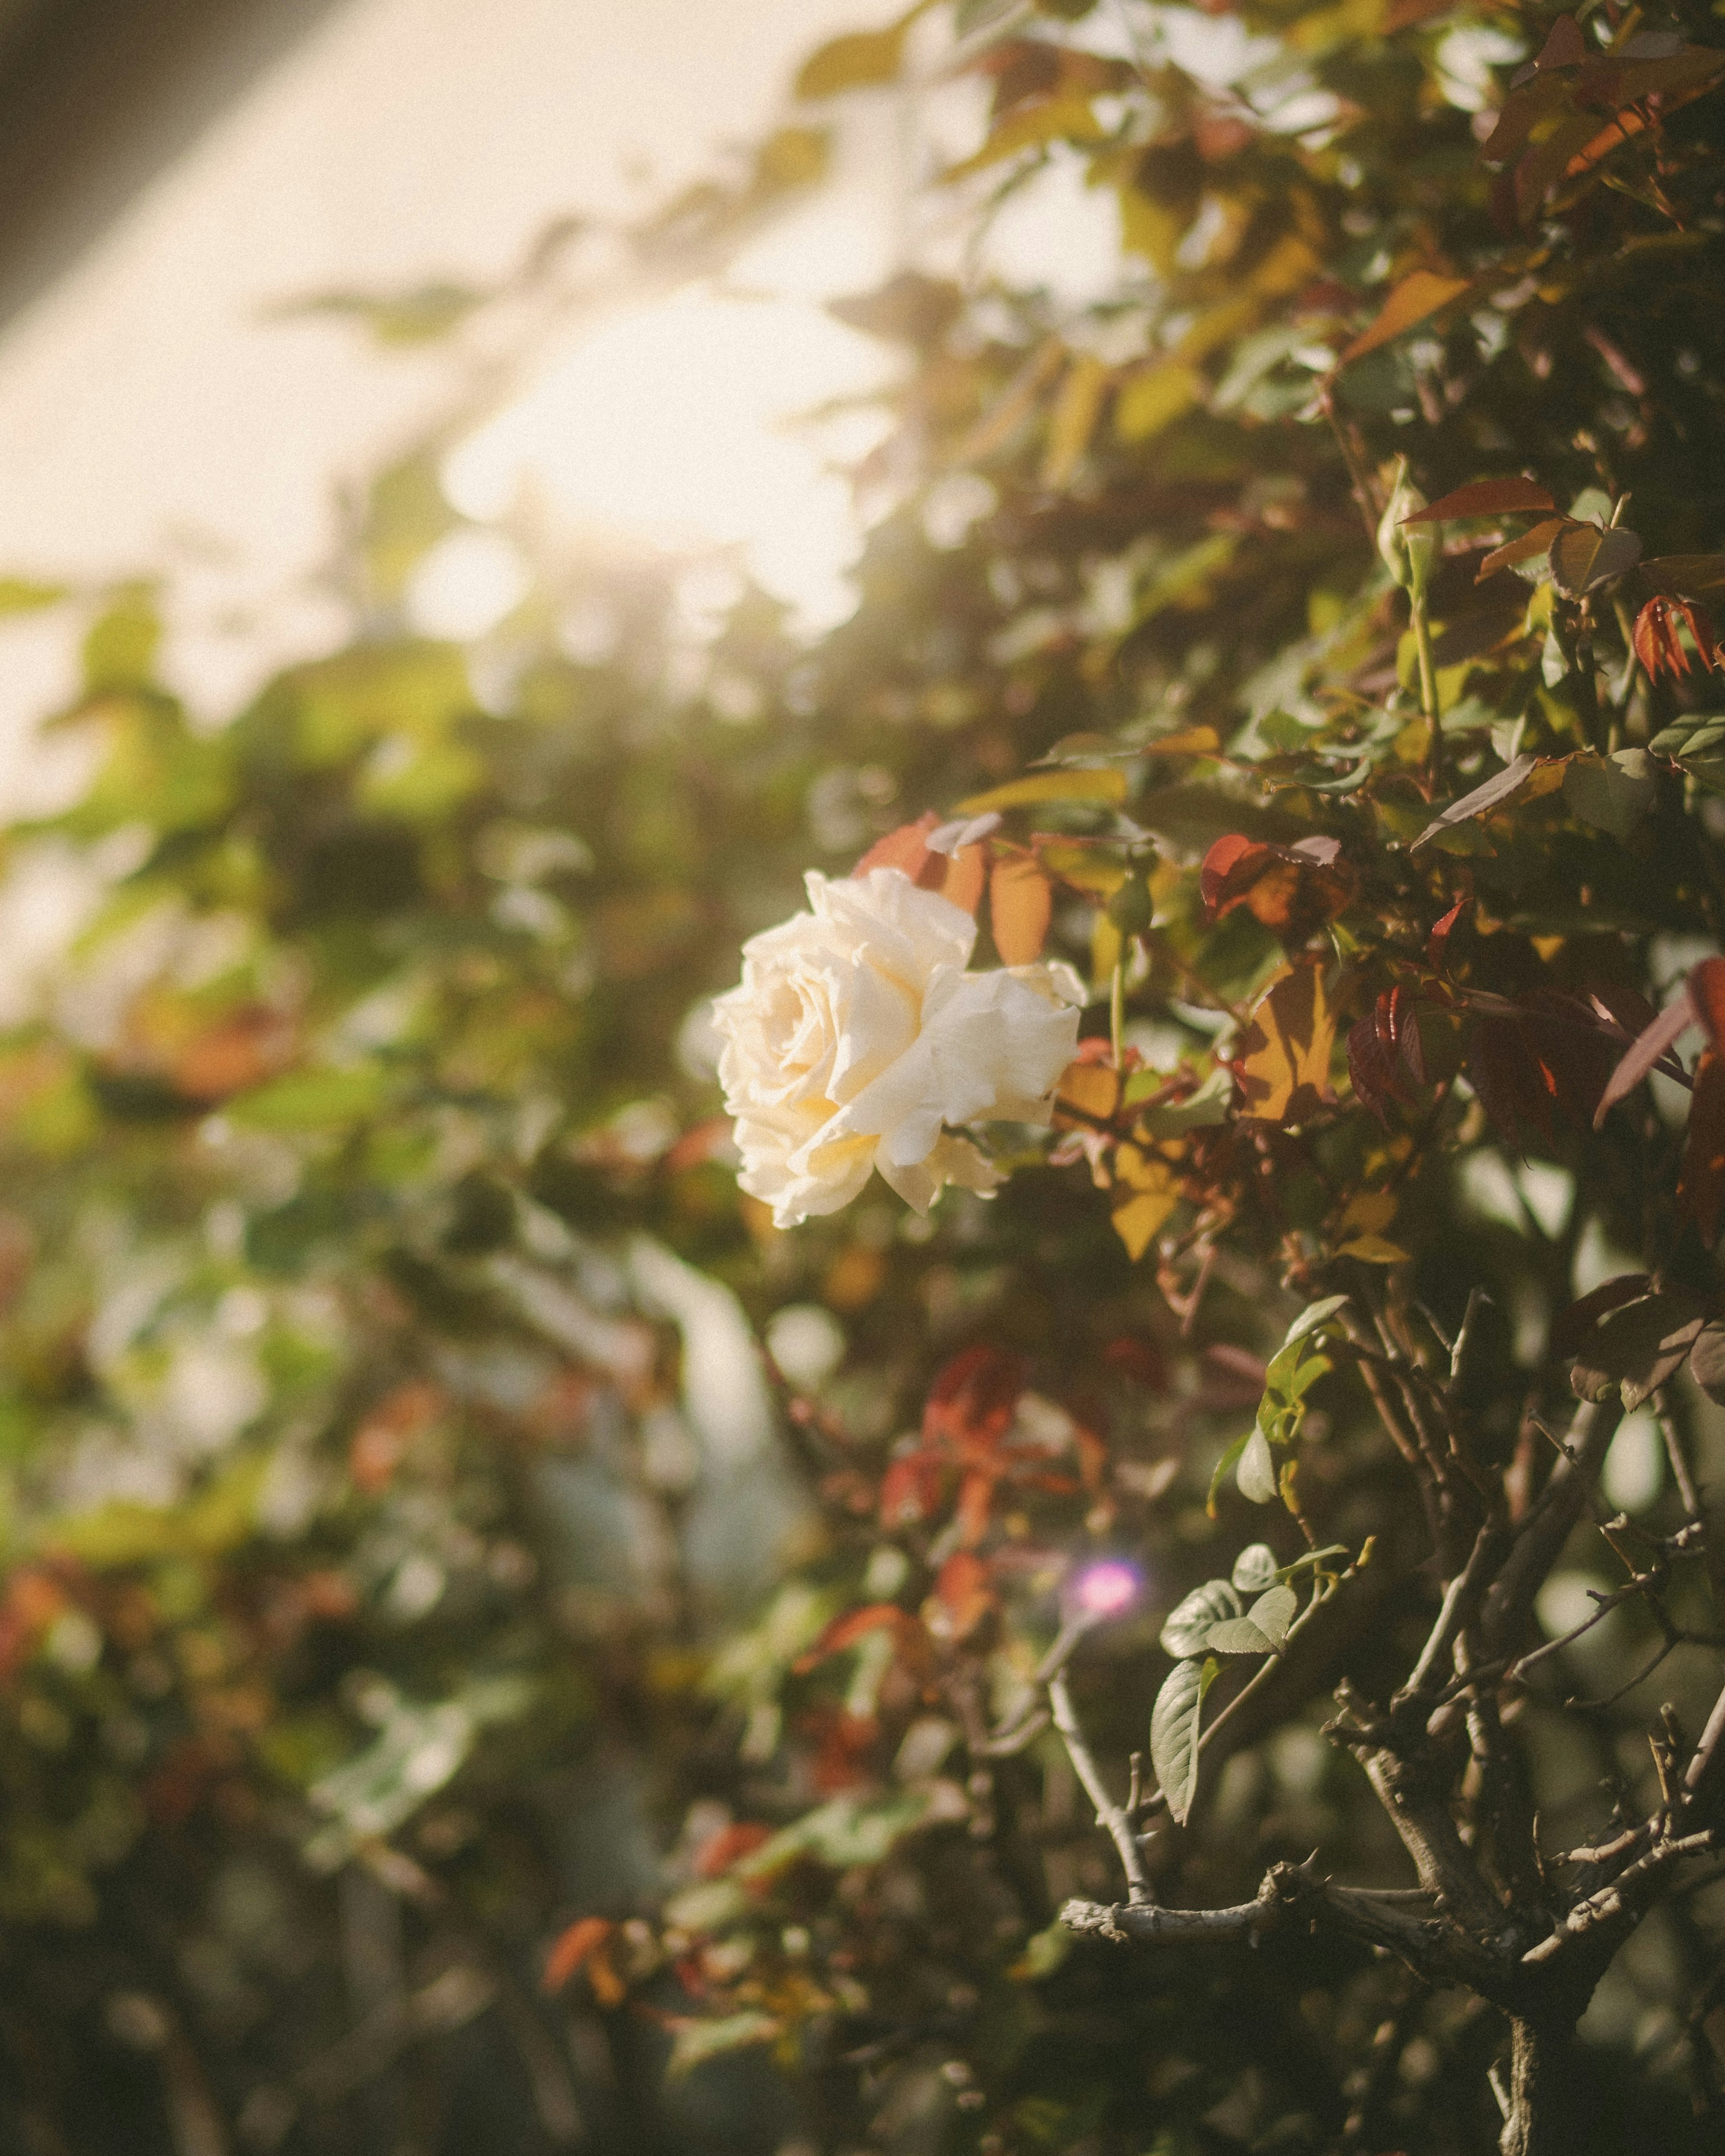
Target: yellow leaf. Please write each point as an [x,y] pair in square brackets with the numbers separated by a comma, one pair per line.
[1284,1062]
[1138,1218]
[1150,228]
[1105,947]
[1193,740]
[1374,1250]
[1091,1090]
[1077,408]
[857,61]
[1369,1211]
[1287,266]
[1153,398]
[1097,783]
[1084,870]
[1149,1191]
[1421,293]
[1031,125]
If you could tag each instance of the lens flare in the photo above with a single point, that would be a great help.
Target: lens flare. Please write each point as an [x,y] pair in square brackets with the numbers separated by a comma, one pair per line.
[1104,1589]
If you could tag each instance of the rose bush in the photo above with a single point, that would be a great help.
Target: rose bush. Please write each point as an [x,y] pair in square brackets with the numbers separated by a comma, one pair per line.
[857,1037]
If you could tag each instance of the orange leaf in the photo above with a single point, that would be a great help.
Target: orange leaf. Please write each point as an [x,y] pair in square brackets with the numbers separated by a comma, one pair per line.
[1421,292]
[958,877]
[571,1948]
[846,1631]
[907,848]
[1020,902]
[1284,1064]
[383,1440]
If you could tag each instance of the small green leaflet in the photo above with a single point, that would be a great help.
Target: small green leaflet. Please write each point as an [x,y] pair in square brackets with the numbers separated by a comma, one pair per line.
[1254,1569]
[1190,1623]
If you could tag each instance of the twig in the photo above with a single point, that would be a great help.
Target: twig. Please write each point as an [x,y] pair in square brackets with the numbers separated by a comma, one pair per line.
[1109,1814]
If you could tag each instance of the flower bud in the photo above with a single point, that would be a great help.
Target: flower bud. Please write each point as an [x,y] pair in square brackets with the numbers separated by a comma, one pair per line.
[1409,551]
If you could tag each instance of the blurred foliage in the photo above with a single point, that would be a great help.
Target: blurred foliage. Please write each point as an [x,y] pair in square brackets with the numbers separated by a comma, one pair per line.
[458,1692]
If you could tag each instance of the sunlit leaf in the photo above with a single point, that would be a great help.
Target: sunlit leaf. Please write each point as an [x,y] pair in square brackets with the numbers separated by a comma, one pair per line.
[1101,783]
[1283,1059]
[1420,295]
[1020,902]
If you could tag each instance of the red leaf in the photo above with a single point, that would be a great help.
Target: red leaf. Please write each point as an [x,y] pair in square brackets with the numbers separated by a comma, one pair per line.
[1564,47]
[1657,643]
[1376,1074]
[910,1489]
[963,1591]
[728,1846]
[1437,946]
[1516,1089]
[1486,497]
[1020,903]
[1707,992]
[1536,541]
[1700,1187]
[972,1403]
[1292,889]
[1572,1328]
[1644,1051]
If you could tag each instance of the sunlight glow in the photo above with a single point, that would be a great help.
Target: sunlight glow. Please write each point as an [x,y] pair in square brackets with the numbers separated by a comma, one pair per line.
[675,427]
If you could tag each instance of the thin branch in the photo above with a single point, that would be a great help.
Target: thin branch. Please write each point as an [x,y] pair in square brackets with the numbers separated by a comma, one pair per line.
[1109,1814]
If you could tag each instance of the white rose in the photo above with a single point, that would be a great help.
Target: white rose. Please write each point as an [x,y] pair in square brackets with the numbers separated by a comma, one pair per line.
[856,1038]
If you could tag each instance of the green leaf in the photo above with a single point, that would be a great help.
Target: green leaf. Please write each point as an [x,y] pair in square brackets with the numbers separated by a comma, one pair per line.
[1612,793]
[1238,1636]
[1223,1466]
[1190,1622]
[1105,782]
[1314,1315]
[120,646]
[1254,1569]
[311,1100]
[698,2040]
[1256,1475]
[1584,557]
[1274,1612]
[1173,1735]
[861,59]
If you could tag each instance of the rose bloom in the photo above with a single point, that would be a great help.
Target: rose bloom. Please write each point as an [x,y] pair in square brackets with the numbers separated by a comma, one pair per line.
[857,1037]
